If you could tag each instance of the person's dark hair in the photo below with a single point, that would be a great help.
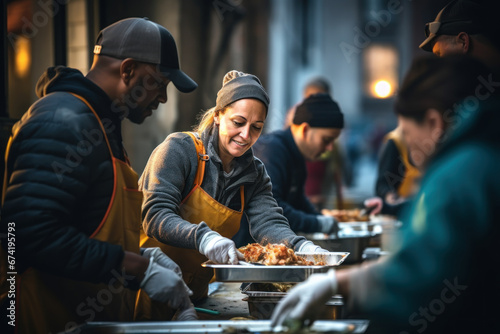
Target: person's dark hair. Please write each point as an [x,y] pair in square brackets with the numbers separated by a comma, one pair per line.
[438,83]
[320,83]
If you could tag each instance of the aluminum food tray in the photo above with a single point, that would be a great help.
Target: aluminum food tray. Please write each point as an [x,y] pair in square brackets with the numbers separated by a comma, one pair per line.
[214,326]
[284,274]
[335,300]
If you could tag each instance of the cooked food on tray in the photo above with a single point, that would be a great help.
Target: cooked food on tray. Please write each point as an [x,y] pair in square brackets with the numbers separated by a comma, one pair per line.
[271,287]
[353,215]
[274,254]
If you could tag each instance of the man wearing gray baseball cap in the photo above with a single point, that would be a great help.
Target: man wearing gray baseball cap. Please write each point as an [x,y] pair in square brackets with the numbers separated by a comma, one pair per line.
[72,194]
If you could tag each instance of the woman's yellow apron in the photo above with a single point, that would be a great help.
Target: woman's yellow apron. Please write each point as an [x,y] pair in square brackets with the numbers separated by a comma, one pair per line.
[196,207]
[48,303]
[409,183]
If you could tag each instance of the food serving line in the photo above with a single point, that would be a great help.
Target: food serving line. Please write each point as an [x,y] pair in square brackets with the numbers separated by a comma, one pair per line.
[243,296]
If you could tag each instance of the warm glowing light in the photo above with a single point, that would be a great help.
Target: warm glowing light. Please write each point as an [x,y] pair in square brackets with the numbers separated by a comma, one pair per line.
[382,89]
[23,56]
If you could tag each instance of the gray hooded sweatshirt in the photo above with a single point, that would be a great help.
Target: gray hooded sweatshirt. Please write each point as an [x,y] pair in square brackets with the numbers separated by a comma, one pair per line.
[169,176]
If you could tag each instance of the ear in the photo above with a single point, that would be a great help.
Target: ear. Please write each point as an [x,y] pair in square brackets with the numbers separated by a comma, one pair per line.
[304,129]
[216,118]
[127,69]
[463,40]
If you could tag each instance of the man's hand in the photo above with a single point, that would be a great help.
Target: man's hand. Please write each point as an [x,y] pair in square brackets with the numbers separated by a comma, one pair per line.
[186,312]
[160,258]
[163,260]
[164,285]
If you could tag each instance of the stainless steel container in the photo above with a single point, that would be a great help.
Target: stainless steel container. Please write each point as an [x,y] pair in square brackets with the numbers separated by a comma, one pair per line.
[353,242]
[262,273]
[216,326]
[355,237]
[261,304]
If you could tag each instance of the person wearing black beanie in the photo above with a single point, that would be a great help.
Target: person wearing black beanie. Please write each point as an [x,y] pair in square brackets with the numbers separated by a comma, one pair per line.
[317,122]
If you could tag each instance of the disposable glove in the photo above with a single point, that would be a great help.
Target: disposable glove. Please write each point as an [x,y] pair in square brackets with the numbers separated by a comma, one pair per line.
[302,303]
[163,260]
[219,249]
[164,285]
[309,247]
[328,224]
[186,312]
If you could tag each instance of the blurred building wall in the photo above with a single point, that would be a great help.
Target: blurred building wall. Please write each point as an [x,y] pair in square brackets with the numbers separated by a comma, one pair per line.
[283,42]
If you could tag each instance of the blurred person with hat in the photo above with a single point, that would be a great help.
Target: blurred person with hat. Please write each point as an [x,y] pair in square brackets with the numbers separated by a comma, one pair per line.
[71,195]
[198,185]
[443,270]
[468,27]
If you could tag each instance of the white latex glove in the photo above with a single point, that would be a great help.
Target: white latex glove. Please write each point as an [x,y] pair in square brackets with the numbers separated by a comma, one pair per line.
[163,260]
[328,224]
[376,202]
[302,303]
[219,249]
[164,285]
[186,313]
[309,247]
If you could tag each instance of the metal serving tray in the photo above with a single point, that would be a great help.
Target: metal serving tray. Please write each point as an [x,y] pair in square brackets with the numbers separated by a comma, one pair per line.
[225,326]
[284,274]
[351,241]
[261,303]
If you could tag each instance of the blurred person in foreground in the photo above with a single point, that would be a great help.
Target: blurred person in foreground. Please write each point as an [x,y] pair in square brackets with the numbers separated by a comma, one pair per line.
[467,27]
[71,197]
[198,185]
[440,276]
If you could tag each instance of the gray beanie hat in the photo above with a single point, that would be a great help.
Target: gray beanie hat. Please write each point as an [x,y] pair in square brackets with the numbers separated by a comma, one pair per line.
[238,85]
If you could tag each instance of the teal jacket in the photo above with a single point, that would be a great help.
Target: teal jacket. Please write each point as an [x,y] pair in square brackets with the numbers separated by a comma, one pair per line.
[444,276]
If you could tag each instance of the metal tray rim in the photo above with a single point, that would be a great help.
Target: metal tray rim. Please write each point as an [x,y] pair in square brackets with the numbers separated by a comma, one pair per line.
[213,326]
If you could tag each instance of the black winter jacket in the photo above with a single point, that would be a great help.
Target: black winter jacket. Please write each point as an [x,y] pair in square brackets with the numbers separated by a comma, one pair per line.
[287,168]
[60,179]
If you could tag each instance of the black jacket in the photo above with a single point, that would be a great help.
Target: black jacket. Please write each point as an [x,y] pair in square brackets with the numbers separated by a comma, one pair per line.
[60,179]
[287,168]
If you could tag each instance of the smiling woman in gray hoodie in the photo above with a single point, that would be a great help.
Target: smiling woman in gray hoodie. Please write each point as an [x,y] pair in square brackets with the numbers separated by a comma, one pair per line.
[198,185]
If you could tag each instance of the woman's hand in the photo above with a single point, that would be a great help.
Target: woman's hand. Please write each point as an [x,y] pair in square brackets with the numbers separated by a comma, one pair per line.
[219,249]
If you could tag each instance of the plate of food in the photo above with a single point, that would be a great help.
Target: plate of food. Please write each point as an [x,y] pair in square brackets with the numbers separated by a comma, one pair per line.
[351,215]
[275,263]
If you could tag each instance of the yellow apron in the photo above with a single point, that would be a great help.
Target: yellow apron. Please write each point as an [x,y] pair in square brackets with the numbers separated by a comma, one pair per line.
[47,303]
[196,207]
[409,183]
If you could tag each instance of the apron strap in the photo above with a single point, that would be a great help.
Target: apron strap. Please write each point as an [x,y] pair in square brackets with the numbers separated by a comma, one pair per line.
[412,172]
[98,120]
[200,172]
[4,186]
[108,210]
[202,158]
